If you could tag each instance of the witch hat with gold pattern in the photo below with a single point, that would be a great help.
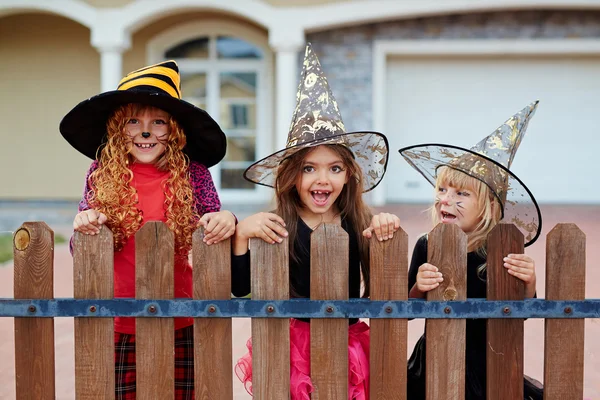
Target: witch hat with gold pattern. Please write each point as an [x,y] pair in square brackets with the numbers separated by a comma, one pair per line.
[317,121]
[489,161]
[84,127]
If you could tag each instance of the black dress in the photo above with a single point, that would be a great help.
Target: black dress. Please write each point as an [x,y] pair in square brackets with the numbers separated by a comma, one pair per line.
[300,270]
[475,368]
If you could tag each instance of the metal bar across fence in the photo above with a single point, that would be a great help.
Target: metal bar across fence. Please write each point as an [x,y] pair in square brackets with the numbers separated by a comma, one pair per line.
[245,308]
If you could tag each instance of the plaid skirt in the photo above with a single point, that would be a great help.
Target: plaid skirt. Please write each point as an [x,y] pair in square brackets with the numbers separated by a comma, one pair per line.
[184,365]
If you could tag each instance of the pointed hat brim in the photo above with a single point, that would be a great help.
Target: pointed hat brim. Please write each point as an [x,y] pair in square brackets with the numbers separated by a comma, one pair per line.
[519,207]
[370,150]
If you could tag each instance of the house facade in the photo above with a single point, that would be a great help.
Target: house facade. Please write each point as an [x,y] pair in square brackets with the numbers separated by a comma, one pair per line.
[429,71]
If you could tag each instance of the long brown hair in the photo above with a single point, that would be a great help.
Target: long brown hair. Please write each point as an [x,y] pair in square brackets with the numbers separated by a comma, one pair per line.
[112,194]
[349,203]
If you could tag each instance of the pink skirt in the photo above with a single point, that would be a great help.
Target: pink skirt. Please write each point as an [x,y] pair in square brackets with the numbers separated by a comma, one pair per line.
[300,383]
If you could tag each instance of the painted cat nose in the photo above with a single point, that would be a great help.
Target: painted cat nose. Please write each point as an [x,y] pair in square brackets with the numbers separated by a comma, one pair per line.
[146,135]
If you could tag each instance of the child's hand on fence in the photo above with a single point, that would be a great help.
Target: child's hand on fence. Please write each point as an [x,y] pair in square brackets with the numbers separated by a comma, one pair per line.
[89,222]
[523,267]
[428,278]
[218,226]
[267,226]
[383,225]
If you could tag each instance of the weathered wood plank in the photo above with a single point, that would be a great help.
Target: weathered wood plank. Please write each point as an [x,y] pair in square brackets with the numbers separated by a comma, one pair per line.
[155,337]
[34,337]
[445,344]
[504,336]
[212,336]
[93,272]
[564,339]
[270,337]
[389,266]
[329,337]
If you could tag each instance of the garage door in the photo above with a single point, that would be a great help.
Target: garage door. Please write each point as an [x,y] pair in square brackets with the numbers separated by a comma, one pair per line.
[459,100]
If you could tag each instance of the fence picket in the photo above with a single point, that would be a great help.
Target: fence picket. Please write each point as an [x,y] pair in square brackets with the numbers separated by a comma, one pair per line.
[34,337]
[329,337]
[389,263]
[504,336]
[270,337]
[155,337]
[94,337]
[564,339]
[212,336]
[445,344]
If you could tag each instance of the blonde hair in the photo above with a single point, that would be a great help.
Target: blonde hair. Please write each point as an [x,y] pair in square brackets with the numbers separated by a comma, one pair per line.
[490,210]
[349,202]
[111,191]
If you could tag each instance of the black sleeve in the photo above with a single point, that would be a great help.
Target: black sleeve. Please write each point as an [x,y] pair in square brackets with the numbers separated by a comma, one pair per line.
[419,257]
[240,274]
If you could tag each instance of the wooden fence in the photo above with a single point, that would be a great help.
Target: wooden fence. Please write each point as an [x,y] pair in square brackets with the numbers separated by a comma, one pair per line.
[94,348]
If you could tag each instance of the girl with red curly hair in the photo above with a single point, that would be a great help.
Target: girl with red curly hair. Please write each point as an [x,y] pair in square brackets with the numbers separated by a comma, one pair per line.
[151,153]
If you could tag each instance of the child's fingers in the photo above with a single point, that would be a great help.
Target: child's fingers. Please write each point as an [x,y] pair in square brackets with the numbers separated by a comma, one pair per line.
[274,226]
[431,275]
[520,257]
[376,225]
[205,219]
[521,276]
[428,267]
[275,218]
[215,234]
[517,263]
[368,233]
[384,229]
[515,268]
[427,287]
[269,236]
[212,224]
[102,218]
[82,224]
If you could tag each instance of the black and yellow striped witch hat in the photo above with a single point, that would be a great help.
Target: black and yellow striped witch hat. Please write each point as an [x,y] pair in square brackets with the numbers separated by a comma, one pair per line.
[84,127]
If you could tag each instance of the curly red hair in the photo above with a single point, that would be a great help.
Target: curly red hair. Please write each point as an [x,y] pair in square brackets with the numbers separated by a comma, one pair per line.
[112,194]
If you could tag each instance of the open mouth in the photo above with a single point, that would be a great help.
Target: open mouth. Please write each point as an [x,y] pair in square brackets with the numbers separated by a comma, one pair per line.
[320,197]
[447,217]
[145,146]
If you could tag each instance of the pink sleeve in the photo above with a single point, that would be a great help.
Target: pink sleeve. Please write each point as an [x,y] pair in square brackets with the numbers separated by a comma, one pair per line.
[205,192]
[83,203]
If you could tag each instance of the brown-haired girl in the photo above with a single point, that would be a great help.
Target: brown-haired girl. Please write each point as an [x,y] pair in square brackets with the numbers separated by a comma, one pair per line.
[318,178]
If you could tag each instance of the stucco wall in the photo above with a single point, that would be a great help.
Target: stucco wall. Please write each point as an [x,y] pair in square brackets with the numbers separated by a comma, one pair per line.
[48,66]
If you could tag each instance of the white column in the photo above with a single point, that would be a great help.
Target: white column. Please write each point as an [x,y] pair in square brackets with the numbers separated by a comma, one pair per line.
[286,85]
[111,39]
[286,40]
[111,68]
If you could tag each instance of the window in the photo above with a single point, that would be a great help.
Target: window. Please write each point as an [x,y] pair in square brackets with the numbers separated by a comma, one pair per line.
[224,72]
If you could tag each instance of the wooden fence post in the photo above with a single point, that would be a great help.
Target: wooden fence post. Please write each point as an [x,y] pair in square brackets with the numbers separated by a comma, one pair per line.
[329,248]
[389,266]
[504,336]
[445,343]
[93,273]
[155,363]
[212,336]
[564,339]
[34,337]
[270,337]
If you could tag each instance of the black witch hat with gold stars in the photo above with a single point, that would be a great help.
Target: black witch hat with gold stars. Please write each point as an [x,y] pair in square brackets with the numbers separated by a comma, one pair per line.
[488,161]
[317,121]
